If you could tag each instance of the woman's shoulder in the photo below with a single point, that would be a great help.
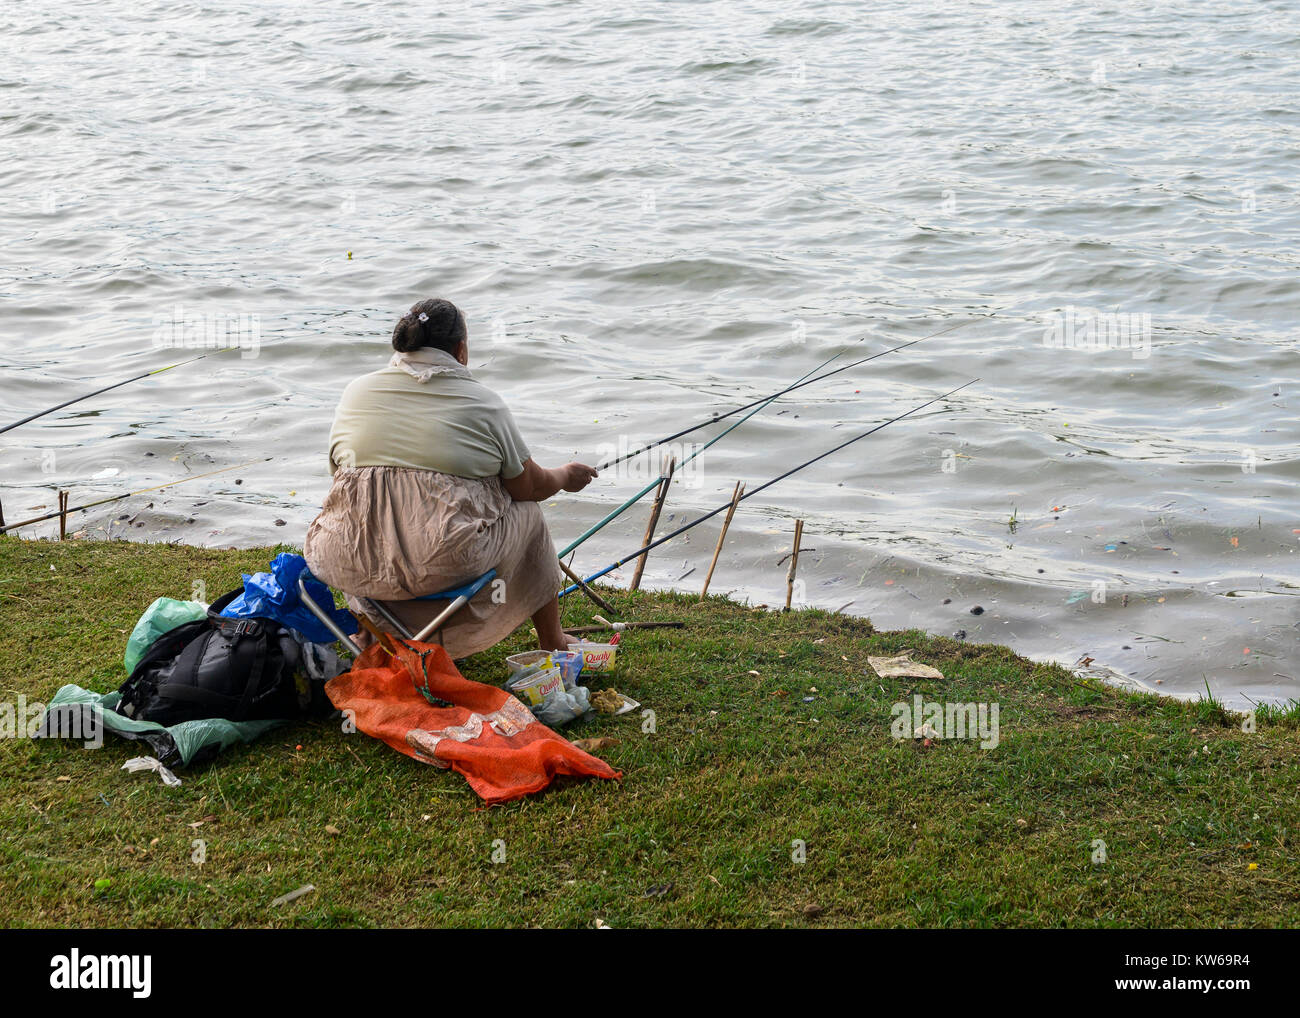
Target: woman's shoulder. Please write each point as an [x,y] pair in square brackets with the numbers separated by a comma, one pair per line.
[363,383]
[390,380]
[488,394]
[467,386]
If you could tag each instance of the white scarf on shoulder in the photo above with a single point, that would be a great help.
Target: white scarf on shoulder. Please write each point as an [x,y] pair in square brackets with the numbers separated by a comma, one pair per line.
[428,362]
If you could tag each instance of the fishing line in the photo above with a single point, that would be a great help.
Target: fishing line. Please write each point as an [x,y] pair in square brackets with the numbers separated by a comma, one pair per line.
[797,385]
[115,385]
[655,483]
[749,494]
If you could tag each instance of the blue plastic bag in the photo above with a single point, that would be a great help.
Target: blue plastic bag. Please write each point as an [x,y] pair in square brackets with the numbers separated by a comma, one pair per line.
[274,595]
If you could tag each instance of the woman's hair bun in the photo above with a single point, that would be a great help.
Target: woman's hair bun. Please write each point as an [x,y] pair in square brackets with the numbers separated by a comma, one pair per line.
[436,322]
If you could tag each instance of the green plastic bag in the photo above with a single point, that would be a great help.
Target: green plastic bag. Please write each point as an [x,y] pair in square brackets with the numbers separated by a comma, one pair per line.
[177,746]
[164,615]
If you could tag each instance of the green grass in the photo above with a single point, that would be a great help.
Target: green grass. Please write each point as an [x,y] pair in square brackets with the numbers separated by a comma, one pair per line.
[738,769]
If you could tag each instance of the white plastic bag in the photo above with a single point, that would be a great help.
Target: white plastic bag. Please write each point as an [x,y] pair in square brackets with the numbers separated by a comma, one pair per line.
[563,706]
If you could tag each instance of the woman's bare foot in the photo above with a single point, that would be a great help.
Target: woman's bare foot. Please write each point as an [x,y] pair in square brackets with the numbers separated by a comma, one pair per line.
[569,643]
[549,634]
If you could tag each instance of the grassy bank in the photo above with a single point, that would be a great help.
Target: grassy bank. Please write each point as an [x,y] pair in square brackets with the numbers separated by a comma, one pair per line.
[701,830]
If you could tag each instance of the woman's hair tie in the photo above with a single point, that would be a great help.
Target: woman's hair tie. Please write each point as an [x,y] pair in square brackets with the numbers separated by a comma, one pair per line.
[423,317]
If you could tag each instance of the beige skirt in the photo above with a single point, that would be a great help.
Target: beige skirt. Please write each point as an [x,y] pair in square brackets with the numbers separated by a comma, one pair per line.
[396,533]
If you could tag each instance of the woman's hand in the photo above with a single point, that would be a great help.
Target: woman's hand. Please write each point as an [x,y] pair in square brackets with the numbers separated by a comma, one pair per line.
[576,476]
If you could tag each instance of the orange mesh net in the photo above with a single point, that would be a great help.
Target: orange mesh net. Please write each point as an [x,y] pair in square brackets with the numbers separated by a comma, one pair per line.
[418,703]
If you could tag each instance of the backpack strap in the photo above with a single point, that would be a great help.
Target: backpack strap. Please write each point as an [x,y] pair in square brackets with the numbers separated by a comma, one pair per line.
[236,627]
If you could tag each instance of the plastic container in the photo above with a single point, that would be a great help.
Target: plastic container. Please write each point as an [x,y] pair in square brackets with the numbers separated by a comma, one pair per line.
[597,657]
[534,689]
[529,659]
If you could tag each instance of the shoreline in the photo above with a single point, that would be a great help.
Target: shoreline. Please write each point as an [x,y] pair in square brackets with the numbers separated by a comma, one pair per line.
[746,591]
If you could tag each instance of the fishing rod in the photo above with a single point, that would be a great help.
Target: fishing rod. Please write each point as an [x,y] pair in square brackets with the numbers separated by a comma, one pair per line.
[655,483]
[797,385]
[115,385]
[780,477]
[118,498]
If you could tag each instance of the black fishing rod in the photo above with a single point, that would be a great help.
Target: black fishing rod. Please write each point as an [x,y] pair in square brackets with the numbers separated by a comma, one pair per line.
[108,388]
[611,516]
[749,494]
[791,388]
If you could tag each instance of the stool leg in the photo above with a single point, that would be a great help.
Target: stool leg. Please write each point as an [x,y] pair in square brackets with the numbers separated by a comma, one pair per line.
[390,618]
[442,617]
[325,618]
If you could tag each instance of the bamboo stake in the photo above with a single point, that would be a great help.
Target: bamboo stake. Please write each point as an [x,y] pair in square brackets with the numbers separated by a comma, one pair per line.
[63,515]
[600,601]
[794,564]
[665,479]
[731,511]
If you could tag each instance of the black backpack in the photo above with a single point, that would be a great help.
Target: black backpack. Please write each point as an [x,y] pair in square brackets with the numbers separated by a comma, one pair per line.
[238,669]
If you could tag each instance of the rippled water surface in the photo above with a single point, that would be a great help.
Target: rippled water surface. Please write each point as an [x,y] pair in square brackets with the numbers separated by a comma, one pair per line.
[654,212]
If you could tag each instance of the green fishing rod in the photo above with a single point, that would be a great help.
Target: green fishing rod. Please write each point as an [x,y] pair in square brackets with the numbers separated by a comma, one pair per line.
[749,494]
[655,483]
[109,388]
[790,388]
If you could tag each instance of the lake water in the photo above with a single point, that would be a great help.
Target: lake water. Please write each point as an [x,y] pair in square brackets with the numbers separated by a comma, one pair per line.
[652,215]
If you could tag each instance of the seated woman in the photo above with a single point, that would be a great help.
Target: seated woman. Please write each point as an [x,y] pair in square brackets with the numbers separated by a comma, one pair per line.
[433,486]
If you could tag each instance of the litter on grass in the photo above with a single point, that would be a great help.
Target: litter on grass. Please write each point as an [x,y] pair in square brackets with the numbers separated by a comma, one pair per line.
[294,895]
[612,702]
[547,683]
[152,763]
[901,666]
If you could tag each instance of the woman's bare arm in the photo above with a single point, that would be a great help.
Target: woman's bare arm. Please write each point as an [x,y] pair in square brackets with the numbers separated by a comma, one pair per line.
[538,483]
